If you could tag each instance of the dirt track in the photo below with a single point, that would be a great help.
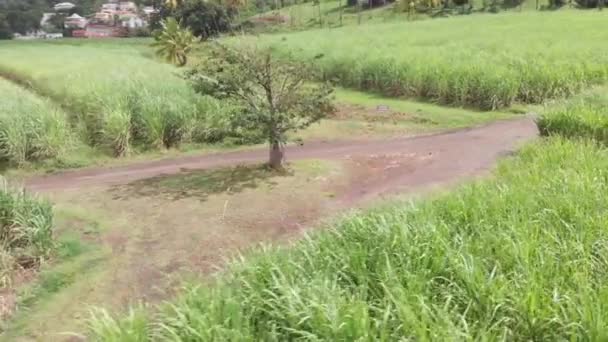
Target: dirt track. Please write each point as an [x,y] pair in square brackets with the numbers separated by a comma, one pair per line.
[388,165]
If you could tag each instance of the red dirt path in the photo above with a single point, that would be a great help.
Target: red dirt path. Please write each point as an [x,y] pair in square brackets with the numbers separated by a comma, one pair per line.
[386,165]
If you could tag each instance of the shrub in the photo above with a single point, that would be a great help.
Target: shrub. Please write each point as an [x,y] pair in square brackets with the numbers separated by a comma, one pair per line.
[591,3]
[26,230]
[205,19]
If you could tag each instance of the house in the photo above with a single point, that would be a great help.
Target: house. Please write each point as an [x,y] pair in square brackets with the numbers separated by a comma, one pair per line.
[149,10]
[133,22]
[109,7]
[53,35]
[104,31]
[63,6]
[46,17]
[103,18]
[75,22]
[127,6]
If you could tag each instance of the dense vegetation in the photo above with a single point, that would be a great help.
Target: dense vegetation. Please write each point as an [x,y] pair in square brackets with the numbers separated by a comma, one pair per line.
[483,61]
[116,98]
[583,120]
[31,129]
[26,231]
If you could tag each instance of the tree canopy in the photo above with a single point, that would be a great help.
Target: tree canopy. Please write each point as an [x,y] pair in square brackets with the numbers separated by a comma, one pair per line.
[270,96]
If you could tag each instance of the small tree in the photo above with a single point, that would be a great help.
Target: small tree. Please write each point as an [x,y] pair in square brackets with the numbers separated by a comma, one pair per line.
[173,42]
[269,96]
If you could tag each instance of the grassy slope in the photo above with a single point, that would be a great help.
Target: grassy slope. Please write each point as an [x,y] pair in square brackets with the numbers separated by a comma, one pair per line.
[486,61]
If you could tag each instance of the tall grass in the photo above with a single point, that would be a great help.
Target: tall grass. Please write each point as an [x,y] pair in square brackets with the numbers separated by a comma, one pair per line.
[31,128]
[485,61]
[26,230]
[586,118]
[116,96]
[520,256]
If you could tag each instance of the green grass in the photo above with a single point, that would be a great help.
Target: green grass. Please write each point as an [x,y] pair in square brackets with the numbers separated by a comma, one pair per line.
[26,231]
[518,257]
[117,97]
[484,61]
[586,117]
[31,128]
[425,115]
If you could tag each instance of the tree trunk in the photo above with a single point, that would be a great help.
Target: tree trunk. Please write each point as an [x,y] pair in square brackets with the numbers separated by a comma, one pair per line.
[276,155]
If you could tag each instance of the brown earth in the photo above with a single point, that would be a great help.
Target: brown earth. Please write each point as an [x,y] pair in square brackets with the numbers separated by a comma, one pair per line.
[393,165]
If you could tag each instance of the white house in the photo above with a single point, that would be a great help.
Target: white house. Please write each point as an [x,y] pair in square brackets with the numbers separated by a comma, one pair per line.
[75,22]
[134,22]
[63,6]
[53,35]
[127,6]
[110,7]
[45,18]
[149,10]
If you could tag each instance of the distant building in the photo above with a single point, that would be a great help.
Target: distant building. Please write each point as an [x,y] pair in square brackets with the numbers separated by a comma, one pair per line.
[149,10]
[104,31]
[127,6]
[46,17]
[63,6]
[103,18]
[53,35]
[109,7]
[75,22]
[133,22]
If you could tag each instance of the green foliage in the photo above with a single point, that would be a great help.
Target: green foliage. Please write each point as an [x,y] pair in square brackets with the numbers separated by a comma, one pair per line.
[268,96]
[22,16]
[114,97]
[581,120]
[173,42]
[591,3]
[518,58]
[5,30]
[130,329]
[31,129]
[26,230]
[520,256]
[203,18]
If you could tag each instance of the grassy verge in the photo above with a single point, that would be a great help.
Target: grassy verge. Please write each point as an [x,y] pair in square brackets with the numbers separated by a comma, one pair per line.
[586,117]
[488,61]
[31,128]
[26,231]
[76,262]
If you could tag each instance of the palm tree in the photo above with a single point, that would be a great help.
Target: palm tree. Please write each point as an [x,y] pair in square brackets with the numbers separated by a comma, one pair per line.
[174,42]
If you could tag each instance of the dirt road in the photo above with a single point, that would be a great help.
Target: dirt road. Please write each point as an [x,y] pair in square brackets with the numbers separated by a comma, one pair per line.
[390,165]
